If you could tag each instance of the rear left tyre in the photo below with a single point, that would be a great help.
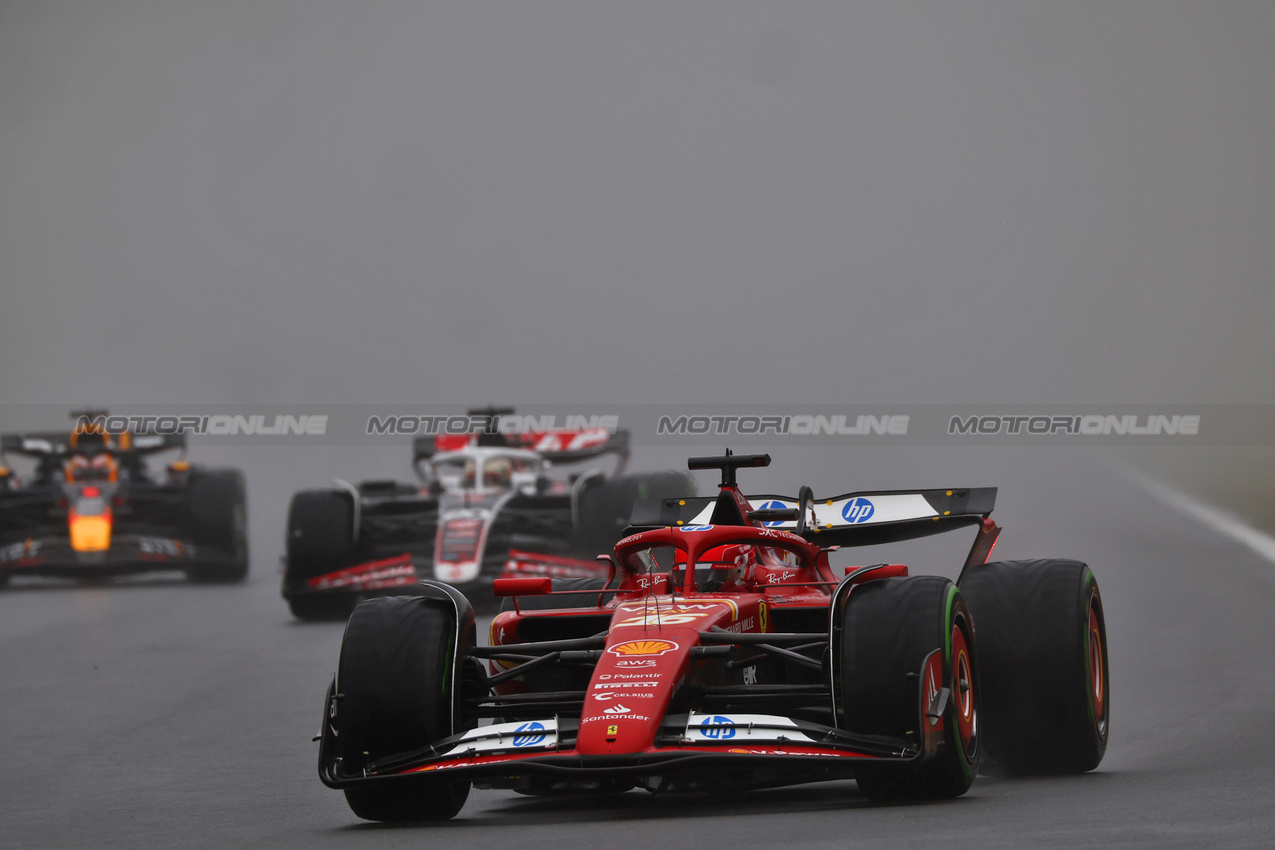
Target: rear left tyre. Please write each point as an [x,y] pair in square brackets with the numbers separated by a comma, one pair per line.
[902,641]
[1043,643]
[605,507]
[396,676]
[218,506]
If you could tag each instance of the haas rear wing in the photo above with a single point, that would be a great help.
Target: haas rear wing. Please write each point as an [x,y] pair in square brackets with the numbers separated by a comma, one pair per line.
[559,445]
[867,518]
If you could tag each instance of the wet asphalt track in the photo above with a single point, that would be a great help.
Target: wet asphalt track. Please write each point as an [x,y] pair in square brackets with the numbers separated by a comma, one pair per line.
[158,714]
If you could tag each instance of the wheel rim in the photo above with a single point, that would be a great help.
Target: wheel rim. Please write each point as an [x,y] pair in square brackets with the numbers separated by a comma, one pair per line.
[1097,668]
[963,691]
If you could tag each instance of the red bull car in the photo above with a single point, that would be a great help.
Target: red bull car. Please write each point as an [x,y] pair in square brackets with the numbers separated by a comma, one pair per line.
[92,508]
[487,504]
[722,652]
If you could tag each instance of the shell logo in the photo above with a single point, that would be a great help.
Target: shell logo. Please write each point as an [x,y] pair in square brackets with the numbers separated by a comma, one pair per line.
[630,648]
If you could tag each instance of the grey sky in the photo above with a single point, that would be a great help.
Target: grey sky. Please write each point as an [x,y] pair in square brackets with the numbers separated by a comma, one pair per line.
[428,202]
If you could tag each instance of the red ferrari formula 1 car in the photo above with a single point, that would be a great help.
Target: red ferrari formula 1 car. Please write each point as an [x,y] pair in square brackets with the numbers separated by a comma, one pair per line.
[724,652]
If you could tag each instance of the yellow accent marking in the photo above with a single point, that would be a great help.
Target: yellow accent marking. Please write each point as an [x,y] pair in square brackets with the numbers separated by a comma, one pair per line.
[830,503]
[946,513]
[681,501]
[679,522]
[936,519]
[90,534]
[949,492]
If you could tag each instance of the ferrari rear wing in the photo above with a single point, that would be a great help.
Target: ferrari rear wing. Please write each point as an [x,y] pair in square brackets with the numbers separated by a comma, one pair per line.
[865,518]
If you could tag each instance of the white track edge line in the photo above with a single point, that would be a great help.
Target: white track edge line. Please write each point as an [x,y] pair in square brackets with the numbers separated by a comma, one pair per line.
[1215,518]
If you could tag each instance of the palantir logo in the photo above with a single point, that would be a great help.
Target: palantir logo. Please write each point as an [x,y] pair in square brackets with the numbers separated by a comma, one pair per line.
[858,510]
[718,728]
[529,734]
[773,506]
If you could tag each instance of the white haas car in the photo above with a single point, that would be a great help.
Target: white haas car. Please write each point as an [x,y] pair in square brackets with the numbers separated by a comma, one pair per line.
[486,505]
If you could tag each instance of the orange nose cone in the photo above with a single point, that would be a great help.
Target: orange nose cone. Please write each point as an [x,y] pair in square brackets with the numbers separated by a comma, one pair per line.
[90,533]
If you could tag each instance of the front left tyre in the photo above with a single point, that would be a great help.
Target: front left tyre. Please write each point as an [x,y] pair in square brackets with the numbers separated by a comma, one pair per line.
[395,681]
[904,640]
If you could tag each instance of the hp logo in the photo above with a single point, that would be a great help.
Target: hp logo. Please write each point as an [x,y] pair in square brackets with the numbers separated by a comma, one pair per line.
[529,734]
[718,728]
[857,510]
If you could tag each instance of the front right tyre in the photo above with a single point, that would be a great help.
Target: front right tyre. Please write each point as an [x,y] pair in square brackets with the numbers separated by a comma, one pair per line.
[320,541]
[395,680]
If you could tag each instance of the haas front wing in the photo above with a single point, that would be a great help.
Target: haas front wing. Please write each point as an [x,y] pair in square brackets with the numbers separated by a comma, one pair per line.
[465,543]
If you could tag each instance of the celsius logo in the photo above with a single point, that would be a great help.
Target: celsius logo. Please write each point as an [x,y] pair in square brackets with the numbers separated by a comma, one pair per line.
[695,528]
[857,510]
[529,734]
[718,727]
[773,506]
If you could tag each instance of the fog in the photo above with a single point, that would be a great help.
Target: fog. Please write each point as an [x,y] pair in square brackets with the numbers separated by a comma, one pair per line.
[583,203]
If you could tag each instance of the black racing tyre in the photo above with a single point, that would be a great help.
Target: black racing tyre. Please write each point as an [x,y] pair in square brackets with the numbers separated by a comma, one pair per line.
[320,541]
[1042,642]
[395,678]
[218,507]
[575,600]
[889,628]
[605,507]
